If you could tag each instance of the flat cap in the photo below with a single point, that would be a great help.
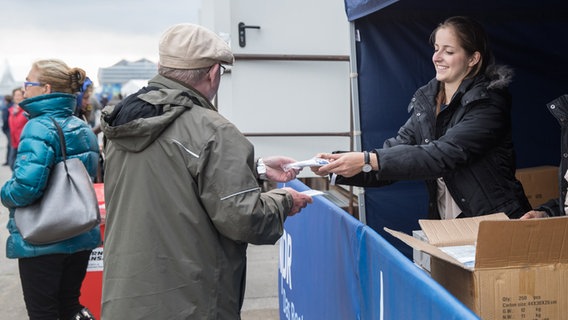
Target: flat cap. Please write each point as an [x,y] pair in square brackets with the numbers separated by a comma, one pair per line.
[190,46]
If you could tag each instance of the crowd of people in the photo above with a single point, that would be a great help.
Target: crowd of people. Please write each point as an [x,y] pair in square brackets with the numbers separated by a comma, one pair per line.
[198,172]
[183,185]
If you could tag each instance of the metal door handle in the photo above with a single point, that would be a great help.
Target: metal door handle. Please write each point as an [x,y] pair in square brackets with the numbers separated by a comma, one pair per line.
[242,33]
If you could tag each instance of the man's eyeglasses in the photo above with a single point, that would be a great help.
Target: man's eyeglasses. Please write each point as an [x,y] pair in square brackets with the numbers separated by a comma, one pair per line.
[221,69]
[31,84]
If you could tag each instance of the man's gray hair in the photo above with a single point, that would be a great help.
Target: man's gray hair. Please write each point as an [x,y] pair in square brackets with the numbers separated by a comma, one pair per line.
[188,76]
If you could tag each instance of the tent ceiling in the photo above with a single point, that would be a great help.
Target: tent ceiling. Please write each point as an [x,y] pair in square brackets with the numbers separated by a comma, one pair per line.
[356,9]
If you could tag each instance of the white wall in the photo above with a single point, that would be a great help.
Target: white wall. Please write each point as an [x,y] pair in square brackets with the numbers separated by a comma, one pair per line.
[286,97]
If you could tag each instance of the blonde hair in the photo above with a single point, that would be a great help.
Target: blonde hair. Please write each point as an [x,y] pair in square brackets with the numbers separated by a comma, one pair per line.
[59,76]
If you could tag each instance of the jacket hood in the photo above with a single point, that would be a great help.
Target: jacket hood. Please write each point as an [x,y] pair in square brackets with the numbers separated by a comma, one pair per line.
[140,118]
[55,104]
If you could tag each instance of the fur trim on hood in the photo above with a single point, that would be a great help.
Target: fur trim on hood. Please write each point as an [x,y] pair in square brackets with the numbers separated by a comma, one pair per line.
[499,76]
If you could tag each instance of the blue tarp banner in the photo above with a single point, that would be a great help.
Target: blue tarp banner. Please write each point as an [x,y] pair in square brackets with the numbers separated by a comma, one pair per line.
[332,266]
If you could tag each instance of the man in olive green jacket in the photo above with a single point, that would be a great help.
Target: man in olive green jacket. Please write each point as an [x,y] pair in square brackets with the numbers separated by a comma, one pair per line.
[182,193]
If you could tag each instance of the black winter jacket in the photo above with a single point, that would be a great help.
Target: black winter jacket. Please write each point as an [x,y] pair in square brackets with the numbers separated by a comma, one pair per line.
[469,145]
[559,109]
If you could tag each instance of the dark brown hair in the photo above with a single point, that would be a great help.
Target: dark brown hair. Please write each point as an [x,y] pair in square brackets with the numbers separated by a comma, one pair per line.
[472,38]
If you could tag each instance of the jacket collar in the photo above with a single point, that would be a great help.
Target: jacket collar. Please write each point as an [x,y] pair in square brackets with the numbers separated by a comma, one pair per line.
[180,89]
[53,103]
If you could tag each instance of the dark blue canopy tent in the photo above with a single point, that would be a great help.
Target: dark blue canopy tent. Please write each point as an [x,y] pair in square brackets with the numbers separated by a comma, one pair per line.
[393,59]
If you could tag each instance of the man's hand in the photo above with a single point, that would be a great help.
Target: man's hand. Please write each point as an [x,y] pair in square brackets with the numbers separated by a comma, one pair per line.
[275,169]
[300,201]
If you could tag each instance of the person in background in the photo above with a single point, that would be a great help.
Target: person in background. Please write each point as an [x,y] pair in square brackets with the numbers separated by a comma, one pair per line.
[51,274]
[96,109]
[458,138]
[84,107]
[557,207]
[17,119]
[7,103]
[182,194]
[86,110]
[88,106]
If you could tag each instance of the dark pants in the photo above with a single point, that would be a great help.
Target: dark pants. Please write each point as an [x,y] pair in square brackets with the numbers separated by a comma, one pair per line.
[52,284]
[8,146]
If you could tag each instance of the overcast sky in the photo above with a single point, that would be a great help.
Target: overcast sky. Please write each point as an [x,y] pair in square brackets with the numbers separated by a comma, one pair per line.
[86,34]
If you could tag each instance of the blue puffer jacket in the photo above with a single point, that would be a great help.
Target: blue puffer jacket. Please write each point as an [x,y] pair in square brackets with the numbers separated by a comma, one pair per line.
[38,152]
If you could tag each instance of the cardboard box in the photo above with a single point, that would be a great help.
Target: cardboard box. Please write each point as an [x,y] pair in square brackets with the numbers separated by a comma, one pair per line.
[520,269]
[420,258]
[540,183]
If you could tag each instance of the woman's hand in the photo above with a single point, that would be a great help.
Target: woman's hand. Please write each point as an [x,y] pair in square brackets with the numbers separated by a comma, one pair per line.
[533,214]
[345,164]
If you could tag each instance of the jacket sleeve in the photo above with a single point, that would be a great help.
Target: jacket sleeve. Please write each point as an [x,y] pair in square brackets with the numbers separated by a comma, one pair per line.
[482,126]
[363,179]
[33,165]
[551,207]
[231,194]
[406,136]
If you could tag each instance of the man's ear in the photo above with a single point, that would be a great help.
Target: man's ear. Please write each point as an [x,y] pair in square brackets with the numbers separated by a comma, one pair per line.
[213,72]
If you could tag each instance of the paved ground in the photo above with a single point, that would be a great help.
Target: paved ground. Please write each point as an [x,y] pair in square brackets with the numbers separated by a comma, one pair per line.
[11,300]
[261,298]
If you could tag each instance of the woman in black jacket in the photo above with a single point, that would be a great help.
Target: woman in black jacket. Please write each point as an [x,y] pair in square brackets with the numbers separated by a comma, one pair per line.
[458,137]
[557,207]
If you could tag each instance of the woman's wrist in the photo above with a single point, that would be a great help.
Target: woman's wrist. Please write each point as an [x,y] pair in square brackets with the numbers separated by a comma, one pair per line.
[374,160]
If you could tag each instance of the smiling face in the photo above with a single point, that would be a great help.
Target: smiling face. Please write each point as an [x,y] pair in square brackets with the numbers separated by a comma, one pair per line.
[451,61]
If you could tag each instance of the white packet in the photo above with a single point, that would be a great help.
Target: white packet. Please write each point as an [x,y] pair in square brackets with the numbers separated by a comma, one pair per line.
[313,162]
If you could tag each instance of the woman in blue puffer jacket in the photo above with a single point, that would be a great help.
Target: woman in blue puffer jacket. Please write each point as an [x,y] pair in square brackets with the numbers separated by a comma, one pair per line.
[52,274]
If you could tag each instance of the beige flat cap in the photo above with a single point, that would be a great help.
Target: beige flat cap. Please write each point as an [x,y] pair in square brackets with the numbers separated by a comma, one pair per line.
[190,46]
